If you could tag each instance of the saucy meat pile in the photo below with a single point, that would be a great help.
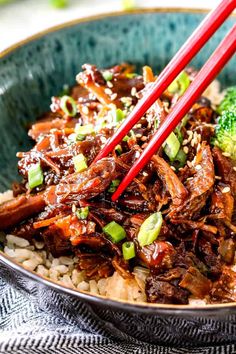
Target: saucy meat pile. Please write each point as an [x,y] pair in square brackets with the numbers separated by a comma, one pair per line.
[177,218]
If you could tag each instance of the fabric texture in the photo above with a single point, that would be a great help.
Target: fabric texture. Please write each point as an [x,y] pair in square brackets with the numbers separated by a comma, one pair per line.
[28,326]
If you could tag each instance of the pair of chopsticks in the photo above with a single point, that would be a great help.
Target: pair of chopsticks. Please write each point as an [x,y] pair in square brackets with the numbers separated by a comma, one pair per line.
[212,67]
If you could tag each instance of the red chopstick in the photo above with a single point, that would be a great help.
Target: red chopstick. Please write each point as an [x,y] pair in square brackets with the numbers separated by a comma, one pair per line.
[212,67]
[194,43]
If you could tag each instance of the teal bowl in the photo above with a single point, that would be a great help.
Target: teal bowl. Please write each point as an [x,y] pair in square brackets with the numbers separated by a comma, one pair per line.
[34,70]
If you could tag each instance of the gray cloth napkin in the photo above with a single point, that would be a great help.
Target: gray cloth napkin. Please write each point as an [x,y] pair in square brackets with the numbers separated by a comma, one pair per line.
[28,327]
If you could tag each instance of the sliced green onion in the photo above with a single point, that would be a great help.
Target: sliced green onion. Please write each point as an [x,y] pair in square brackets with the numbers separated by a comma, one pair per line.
[156,123]
[80,137]
[76,137]
[171,146]
[180,159]
[178,133]
[114,231]
[184,121]
[35,176]
[107,75]
[80,163]
[84,129]
[68,105]
[128,250]
[131,75]
[118,149]
[82,213]
[114,184]
[126,138]
[132,134]
[150,229]
[180,84]
[119,115]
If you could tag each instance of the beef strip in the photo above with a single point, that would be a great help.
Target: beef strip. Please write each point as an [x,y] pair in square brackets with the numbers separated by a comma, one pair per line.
[199,186]
[165,292]
[225,169]
[16,210]
[196,283]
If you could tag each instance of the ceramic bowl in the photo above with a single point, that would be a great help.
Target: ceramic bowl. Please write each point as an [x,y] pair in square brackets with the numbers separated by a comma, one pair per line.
[36,69]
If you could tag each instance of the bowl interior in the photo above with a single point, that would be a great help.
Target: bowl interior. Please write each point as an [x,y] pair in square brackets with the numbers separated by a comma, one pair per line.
[31,73]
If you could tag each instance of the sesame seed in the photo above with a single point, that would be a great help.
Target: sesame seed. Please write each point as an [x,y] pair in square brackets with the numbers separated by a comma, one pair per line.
[126,100]
[133,91]
[173,168]
[189,164]
[199,138]
[114,96]
[226,154]
[138,135]
[189,178]
[73,208]
[226,190]
[144,138]
[85,110]
[139,125]
[193,142]
[108,91]
[181,169]
[137,154]
[198,167]
[145,174]
[198,147]
[189,132]
[217,177]
[234,168]
[109,84]
[185,142]
[103,139]
[185,149]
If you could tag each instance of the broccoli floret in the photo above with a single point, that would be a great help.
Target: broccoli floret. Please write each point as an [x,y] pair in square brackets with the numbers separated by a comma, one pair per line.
[225,133]
[229,101]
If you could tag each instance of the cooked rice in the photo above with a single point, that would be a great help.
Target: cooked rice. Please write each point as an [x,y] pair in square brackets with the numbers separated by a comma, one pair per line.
[34,257]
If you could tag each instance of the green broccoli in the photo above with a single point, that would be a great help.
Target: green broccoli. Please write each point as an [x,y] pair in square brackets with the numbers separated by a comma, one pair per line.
[225,133]
[229,101]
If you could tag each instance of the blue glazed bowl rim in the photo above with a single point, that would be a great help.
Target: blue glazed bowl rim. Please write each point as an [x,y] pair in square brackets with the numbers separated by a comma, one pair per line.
[219,310]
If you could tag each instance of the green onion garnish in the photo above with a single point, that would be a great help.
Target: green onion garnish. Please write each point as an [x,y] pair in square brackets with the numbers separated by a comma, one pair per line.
[118,149]
[126,138]
[171,146]
[68,105]
[84,129]
[150,229]
[180,84]
[178,133]
[128,250]
[119,115]
[114,231]
[80,163]
[79,137]
[107,75]
[132,135]
[82,213]
[35,176]
[180,159]
[114,184]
